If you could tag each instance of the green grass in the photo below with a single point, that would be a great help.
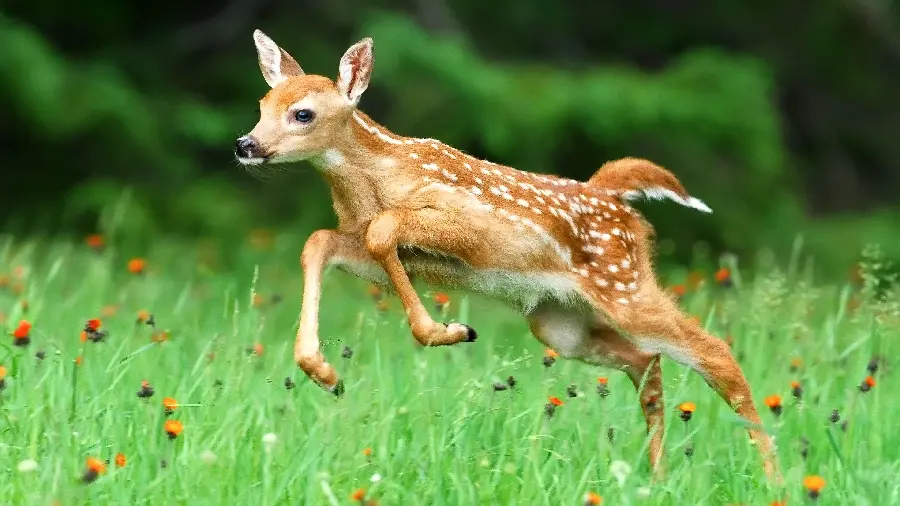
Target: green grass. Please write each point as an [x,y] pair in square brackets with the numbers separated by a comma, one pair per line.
[438,433]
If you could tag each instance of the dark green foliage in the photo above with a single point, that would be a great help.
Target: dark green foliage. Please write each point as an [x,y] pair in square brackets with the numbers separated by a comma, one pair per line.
[759,116]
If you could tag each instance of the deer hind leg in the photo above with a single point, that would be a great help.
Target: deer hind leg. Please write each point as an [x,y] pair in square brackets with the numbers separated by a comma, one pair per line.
[645,373]
[322,247]
[383,236]
[657,325]
[574,335]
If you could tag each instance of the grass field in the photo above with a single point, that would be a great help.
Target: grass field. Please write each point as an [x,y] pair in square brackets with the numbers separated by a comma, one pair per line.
[416,426]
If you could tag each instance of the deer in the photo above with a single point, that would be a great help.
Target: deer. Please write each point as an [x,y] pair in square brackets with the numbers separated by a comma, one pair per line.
[573,257]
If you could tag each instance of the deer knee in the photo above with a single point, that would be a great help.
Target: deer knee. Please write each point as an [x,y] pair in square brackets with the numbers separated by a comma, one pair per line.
[317,242]
[381,237]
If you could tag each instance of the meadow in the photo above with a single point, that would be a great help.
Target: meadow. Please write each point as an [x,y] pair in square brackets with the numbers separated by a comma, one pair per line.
[101,338]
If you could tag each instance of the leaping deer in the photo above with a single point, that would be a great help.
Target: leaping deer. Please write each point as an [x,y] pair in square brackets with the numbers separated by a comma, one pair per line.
[574,257]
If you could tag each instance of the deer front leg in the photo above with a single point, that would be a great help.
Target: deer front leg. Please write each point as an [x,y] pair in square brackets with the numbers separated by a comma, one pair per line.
[384,234]
[322,246]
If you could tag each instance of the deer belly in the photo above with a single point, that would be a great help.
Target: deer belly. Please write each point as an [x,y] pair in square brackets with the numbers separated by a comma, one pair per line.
[523,291]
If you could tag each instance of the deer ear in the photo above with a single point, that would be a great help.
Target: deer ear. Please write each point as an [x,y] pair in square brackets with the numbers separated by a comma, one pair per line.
[355,70]
[275,63]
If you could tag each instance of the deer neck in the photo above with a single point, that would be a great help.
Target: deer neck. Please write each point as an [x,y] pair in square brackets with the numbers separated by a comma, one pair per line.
[365,171]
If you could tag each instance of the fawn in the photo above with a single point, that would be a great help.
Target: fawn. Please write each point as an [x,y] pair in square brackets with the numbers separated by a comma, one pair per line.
[572,256]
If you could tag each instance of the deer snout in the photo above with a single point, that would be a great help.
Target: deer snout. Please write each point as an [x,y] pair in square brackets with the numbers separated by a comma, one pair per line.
[247,149]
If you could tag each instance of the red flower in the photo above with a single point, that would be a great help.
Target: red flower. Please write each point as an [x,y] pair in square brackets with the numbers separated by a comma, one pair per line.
[22,330]
[137,265]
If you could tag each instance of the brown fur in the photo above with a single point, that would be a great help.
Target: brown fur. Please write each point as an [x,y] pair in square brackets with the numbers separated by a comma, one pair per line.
[635,174]
[573,256]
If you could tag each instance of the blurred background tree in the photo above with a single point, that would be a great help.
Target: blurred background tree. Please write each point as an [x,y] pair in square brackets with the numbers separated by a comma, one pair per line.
[782,116]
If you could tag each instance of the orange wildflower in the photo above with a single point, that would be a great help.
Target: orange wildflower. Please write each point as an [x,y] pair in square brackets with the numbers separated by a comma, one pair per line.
[83,337]
[2,372]
[592,499]
[22,334]
[257,349]
[137,265]
[723,275]
[95,241]
[867,384]
[687,410]
[555,401]
[797,390]
[258,300]
[173,428]
[814,485]
[358,494]
[109,310]
[93,325]
[441,299]
[679,290]
[143,316]
[79,360]
[120,459]
[374,292]
[602,386]
[169,405]
[96,465]
[22,330]
[159,336]
[796,363]
[774,403]
[550,352]
[367,452]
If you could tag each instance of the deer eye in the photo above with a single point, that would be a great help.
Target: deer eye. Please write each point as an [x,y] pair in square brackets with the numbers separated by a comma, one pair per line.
[304,115]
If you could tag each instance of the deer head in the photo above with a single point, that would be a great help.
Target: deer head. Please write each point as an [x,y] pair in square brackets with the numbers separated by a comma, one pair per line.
[303,114]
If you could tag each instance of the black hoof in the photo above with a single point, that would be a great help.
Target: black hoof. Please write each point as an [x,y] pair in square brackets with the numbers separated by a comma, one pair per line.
[471,335]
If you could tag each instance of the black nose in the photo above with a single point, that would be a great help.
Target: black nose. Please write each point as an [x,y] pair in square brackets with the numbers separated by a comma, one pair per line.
[245,146]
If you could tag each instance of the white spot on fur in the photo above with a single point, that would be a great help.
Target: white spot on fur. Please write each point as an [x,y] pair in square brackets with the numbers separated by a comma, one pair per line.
[332,158]
[375,131]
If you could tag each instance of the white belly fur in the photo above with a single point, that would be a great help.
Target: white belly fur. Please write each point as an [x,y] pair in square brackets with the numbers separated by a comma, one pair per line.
[522,291]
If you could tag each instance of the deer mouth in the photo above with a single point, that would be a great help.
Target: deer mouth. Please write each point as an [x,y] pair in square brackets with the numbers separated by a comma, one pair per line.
[252,160]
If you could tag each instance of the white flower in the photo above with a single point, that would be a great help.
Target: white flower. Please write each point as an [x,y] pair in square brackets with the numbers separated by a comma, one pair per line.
[208,457]
[27,466]
[269,439]
[375,478]
[643,492]
[620,471]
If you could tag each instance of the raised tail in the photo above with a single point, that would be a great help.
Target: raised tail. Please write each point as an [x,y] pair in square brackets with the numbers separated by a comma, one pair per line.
[634,178]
